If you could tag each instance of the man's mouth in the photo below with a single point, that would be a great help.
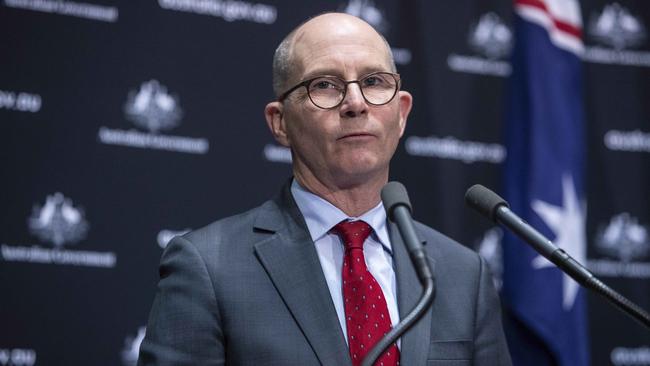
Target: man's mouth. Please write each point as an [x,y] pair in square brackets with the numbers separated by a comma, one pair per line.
[356,136]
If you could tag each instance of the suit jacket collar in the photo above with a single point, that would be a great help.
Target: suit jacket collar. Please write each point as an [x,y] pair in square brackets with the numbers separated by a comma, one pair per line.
[415,342]
[290,259]
[291,262]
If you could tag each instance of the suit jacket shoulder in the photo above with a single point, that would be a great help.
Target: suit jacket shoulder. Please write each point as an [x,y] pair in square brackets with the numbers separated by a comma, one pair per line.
[251,281]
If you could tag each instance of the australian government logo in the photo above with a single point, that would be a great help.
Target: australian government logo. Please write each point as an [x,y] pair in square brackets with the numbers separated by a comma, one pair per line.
[375,16]
[617,35]
[153,110]
[623,245]
[491,41]
[57,223]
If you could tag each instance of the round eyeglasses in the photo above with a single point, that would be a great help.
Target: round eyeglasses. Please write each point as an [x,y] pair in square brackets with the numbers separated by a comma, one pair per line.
[328,92]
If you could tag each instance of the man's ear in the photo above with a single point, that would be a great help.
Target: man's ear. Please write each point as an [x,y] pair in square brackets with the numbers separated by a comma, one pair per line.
[405,104]
[275,120]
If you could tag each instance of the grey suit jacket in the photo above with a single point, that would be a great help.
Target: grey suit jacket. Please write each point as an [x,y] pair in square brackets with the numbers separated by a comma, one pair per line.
[249,290]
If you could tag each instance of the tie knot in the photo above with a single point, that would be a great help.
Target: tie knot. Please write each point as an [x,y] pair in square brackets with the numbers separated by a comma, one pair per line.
[353,233]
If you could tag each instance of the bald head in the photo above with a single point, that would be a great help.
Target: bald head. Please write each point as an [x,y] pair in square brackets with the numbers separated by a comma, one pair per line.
[322,29]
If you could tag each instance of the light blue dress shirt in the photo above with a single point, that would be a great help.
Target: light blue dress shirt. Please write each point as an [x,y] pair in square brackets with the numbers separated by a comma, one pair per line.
[321,216]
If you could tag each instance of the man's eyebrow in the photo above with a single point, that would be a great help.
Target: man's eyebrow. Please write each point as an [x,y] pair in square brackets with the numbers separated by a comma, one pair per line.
[323,72]
[376,68]
[337,72]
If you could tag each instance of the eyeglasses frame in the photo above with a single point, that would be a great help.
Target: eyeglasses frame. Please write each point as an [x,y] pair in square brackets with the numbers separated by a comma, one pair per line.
[306,84]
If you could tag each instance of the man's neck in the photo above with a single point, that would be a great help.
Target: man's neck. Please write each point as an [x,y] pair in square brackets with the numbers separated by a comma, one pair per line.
[352,198]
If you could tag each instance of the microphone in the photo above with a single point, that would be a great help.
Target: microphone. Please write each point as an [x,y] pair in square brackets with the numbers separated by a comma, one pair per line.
[491,205]
[398,210]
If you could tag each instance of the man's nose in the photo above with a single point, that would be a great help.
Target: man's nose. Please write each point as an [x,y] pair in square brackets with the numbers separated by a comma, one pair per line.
[354,104]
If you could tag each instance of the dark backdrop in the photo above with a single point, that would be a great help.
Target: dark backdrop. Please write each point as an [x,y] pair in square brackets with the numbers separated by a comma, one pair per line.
[125,123]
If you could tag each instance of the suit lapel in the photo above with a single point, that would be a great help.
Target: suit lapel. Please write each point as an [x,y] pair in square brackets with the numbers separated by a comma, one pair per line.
[415,342]
[290,260]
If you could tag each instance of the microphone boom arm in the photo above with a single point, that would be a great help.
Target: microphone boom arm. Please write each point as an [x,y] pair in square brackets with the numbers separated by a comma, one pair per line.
[494,207]
[567,264]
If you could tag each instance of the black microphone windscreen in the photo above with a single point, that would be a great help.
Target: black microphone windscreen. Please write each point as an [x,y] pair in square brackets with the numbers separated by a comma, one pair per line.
[392,195]
[484,201]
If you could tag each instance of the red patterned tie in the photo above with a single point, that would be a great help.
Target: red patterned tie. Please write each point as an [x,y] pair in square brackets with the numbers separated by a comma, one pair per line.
[366,313]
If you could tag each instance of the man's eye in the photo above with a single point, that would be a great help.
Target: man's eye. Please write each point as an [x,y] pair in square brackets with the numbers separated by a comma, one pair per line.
[373,81]
[323,84]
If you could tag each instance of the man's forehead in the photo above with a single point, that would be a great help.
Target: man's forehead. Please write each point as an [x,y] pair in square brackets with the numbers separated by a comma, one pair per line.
[333,35]
[336,27]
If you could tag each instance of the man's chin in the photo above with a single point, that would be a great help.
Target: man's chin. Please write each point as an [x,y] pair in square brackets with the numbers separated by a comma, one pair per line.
[361,172]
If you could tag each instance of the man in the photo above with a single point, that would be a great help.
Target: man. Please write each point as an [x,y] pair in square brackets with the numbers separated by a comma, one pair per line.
[306,277]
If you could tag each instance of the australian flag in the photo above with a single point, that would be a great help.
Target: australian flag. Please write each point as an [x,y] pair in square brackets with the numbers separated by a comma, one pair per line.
[544,183]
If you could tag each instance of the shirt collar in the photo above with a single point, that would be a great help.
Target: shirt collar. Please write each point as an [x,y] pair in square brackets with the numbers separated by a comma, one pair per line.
[321,216]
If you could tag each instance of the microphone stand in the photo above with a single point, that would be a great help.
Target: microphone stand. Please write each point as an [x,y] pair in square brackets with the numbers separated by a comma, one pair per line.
[398,210]
[404,325]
